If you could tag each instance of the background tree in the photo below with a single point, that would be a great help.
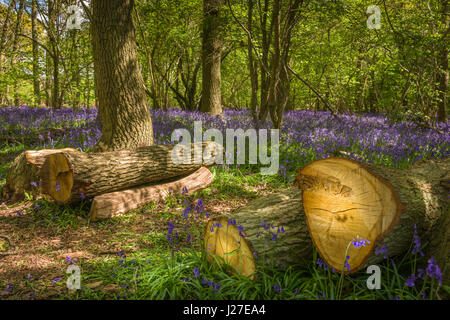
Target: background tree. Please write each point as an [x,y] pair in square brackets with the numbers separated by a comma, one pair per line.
[212,45]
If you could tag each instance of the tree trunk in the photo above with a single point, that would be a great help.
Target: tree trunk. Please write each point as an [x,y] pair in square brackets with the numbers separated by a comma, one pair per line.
[211,55]
[443,74]
[122,102]
[252,66]
[266,37]
[3,37]
[25,170]
[48,79]
[71,175]
[116,203]
[34,35]
[15,45]
[421,189]
[53,36]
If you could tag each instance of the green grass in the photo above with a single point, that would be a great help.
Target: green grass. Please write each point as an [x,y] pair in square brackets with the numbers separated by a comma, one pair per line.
[156,273]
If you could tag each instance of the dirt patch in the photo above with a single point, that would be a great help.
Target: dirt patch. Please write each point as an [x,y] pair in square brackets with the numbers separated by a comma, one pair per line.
[41,251]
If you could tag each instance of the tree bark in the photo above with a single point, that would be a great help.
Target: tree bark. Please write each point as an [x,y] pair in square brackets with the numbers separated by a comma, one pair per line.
[422,190]
[25,170]
[15,45]
[211,55]
[252,65]
[122,102]
[53,36]
[292,247]
[117,203]
[3,37]
[34,35]
[72,175]
[443,74]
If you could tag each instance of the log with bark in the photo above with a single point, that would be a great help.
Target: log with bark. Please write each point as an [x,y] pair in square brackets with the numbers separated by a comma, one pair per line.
[342,200]
[119,202]
[24,171]
[259,221]
[70,176]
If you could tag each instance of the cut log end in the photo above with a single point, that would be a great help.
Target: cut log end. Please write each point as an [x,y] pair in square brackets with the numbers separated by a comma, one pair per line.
[343,201]
[224,242]
[59,177]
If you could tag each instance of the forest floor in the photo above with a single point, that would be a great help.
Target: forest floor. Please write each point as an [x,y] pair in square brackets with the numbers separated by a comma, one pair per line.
[35,240]
[130,257]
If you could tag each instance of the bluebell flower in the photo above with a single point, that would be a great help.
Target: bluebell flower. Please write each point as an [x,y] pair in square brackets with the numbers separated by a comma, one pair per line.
[241,229]
[381,250]
[274,236]
[417,242]
[199,206]
[433,270]
[196,272]
[9,287]
[410,281]
[346,265]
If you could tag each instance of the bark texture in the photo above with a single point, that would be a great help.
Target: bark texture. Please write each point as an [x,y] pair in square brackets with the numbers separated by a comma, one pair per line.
[122,102]
[116,203]
[211,55]
[71,175]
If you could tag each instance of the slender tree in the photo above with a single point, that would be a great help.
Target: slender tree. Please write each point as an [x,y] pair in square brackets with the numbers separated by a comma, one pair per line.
[34,35]
[443,72]
[211,56]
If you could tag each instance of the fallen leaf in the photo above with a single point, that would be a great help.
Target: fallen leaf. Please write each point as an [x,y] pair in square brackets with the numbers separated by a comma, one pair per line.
[94,285]
[111,287]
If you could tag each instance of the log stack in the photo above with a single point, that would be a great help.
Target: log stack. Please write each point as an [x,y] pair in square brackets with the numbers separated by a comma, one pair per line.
[118,181]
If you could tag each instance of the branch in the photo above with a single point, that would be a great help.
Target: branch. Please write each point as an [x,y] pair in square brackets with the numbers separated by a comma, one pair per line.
[249,37]
[325,102]
[39,43]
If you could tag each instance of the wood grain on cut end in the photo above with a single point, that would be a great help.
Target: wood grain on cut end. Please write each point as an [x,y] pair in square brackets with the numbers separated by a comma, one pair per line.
[24,173]
[343,201]
[224,242]
[58,175]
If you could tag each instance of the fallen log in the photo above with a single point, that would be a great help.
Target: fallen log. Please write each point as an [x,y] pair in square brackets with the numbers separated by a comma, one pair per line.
[346,201]
[71,175]
[119,202]
[341,200]
[259,221]
[24,171]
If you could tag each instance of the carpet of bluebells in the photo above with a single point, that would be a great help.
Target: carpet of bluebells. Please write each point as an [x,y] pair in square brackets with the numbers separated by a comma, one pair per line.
[305,135]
